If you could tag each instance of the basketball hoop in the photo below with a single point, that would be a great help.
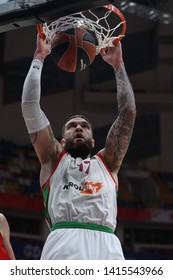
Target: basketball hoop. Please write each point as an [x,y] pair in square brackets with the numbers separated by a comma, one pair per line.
[107,24]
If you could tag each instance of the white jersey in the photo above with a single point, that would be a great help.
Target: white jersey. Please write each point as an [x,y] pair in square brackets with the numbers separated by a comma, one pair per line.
[79,192]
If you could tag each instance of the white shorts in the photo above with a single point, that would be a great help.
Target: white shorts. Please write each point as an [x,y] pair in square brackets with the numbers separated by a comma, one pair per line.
[81,244]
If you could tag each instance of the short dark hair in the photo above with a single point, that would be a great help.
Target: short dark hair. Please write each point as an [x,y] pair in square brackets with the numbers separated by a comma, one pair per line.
[73,117]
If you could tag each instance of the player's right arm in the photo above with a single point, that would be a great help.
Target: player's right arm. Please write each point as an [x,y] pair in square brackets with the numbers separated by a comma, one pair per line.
[46,146]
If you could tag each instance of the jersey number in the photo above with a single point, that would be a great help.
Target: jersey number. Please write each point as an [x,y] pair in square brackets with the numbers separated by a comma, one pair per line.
[84,167]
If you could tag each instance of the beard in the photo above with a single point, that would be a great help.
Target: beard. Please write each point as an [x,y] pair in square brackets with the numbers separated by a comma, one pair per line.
[80,149]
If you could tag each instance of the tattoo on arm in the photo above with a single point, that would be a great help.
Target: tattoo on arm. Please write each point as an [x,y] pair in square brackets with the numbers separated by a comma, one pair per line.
[119,135]
[34,136]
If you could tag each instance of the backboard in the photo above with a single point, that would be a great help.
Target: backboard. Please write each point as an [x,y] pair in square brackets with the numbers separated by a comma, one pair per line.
[16,14]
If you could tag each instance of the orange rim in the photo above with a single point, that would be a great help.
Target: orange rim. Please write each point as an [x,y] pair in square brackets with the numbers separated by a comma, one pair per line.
[40,31]
[121,16]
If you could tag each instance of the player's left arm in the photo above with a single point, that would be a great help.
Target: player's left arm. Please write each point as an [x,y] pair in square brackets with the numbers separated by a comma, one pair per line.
[120,133]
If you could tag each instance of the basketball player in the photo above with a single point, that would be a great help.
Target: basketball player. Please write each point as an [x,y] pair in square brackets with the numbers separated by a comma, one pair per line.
[6,251]
[79,191]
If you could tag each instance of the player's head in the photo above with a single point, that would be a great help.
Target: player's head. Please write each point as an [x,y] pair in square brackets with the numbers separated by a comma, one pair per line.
[77,136]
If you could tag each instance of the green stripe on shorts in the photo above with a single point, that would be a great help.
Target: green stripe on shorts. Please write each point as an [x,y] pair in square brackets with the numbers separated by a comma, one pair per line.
[82,225]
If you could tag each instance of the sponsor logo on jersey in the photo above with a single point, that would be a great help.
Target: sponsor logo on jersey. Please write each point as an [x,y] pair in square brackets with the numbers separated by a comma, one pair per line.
[88,188]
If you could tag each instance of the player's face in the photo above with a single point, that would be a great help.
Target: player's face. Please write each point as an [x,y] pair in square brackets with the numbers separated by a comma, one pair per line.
[78,139]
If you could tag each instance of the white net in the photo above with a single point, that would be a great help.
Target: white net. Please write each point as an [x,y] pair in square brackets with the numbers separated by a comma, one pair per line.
[104,27]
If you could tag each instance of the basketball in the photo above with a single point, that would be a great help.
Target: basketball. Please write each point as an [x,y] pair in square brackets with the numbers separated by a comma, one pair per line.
[73,50]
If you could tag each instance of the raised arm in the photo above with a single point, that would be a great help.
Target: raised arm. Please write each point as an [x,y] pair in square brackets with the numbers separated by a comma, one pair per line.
[37,123]
[120,133]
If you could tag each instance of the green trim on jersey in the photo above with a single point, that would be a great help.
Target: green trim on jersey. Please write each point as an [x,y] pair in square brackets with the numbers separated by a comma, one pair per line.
[46,198]
[82,225]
